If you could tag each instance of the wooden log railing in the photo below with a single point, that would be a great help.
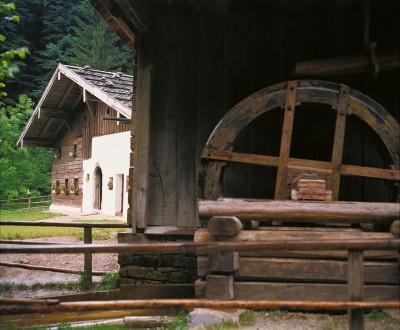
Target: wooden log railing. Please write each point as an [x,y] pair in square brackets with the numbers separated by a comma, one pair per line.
[355,305]
[320,212]
[87,227]
[28,203]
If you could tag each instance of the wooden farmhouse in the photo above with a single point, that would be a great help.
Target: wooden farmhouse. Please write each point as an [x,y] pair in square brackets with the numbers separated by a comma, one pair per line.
[91,154]
[269,112]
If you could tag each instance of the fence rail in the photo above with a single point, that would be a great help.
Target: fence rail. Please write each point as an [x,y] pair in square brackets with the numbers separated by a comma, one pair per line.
[355,305]
[87,233]
[6,203]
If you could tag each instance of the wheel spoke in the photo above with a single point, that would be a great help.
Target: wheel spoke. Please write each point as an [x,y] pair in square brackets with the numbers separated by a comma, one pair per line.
[349,170]
[290,103]
[370,172]
[239,157]
[338,141]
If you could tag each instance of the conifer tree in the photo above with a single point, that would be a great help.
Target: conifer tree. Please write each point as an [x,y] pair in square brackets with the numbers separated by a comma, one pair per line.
[94,43]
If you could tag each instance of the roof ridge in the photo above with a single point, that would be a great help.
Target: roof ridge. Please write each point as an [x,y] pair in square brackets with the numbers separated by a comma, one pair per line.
[89,69]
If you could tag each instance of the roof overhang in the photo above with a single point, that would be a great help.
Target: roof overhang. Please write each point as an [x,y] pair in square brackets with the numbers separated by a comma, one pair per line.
[65,90]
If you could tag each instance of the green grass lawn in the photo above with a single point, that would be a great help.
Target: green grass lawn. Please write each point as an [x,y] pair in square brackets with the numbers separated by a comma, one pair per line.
[26,232]
[25,215]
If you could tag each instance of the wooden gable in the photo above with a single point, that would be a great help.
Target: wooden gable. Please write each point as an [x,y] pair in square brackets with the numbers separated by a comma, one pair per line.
[72,91]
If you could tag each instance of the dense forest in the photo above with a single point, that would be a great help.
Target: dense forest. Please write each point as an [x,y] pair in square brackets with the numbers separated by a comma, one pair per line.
[55,31]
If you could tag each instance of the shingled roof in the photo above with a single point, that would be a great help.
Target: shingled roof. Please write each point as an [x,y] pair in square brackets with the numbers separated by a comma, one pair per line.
[116,85]
[69,86]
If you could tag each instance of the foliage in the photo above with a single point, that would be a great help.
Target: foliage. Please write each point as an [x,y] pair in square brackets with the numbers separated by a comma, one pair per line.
[48,29]
[95,44]
[247,318]
[179,323]
[7,66]
[108,282]
[24,172]
[84,282]
[377,314]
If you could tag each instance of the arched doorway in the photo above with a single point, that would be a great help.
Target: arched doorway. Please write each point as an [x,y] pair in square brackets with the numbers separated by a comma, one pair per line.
[98,191]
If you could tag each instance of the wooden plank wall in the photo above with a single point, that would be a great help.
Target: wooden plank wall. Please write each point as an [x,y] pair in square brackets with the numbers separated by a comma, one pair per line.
[203,66]
[80,131]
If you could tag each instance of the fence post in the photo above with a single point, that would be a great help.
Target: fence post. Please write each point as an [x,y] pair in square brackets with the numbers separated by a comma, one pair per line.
[29,204]
[88,256]
[355,284]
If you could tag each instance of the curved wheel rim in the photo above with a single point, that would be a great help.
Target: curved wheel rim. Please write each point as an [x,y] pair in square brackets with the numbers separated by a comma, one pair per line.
[288,95]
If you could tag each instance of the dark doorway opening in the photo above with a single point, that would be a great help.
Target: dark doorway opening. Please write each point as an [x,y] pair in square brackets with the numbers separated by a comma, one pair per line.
[98,191]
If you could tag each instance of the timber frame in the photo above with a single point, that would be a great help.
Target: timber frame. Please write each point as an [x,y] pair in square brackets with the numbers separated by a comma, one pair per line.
[76,86]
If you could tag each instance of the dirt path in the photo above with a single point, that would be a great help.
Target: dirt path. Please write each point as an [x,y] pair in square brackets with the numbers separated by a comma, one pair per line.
[17,277]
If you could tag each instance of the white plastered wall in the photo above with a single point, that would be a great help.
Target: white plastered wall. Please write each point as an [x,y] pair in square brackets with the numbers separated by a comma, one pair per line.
[110,153]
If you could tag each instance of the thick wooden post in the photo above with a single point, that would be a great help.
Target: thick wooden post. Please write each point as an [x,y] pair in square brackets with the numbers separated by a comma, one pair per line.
[141,132]
[88,256]
[355,288]
[29,204]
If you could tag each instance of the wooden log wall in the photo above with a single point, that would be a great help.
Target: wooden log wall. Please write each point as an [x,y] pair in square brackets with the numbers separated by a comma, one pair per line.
[291,275]
[203,65]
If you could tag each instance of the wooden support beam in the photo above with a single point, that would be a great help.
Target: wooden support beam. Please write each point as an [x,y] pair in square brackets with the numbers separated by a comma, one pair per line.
[309,270]
[90,109]
[38,143]
[321,212]
[141,130]
[395,228]
[226,155]
[207,247]
[353,64]
[356,288]
[65,96]
[76,102]
[224,226]
[45,128]
[50,269]
[81,306]
[350,170]
[219,287]
[126,120]
[370,172]
[58,129]
[223,262]
[56,113]
[281,180]
[339,140]
[297,291]
[88,256]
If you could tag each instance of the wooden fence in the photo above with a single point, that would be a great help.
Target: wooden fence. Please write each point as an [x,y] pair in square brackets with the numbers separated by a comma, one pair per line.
[87,227]
[354,305]
[27,203]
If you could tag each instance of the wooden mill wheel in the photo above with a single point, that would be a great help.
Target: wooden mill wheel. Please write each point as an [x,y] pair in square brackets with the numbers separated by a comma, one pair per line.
[346,101]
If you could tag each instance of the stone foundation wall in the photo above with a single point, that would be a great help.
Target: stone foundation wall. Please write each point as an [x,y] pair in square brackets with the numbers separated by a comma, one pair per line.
[155,268]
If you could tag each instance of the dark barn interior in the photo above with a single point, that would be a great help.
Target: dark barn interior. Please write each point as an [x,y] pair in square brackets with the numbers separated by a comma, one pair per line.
[206,56]
[197,60]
